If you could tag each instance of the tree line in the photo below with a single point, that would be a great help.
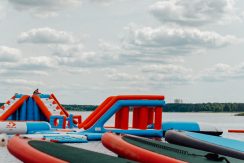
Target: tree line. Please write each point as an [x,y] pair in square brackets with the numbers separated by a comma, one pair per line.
[182,107]
[205,107]
[175,107]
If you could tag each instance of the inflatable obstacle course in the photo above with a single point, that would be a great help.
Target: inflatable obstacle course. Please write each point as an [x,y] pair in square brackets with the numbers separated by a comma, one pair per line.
[146,109]
[31,108]
[37,108]
[147,150]
[146,118]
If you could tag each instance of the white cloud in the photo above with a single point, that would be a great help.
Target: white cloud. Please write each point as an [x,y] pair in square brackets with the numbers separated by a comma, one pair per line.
[74,55]
[161,74]
[165,74]
[51,8]
[172,40]
[222,72]
[67,50]
[43,8]
[40,65]
[122,76]
[197,12]
[46,36]
[82,59]
[16,72]
[8,54]
[122,55]
[37,63]
[103,2]
[21,82]
[166,69]
[171,79]
[2,9]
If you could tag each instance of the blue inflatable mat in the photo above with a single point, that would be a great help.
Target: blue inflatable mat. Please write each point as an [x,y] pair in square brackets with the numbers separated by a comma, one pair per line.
[225,142]
[65,139]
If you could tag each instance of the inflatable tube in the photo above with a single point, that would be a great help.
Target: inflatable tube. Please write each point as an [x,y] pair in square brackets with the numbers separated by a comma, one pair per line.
[123,145]
[35,151]
[23,111]
[36,110]
[219,145]
[192,127]
[30,112]
[236,131]
[17,145]
[126,150]
[19,127]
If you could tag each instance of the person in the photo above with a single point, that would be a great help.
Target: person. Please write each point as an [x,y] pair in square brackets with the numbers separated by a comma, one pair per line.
[36,92]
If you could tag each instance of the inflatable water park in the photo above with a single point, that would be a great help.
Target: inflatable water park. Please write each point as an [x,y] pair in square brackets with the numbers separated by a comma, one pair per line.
[37,128]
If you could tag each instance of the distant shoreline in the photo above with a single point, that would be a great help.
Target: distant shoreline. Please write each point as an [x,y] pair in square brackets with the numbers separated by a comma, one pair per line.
[181,107]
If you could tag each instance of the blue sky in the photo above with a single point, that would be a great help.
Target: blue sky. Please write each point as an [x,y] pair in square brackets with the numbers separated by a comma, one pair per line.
[86,50]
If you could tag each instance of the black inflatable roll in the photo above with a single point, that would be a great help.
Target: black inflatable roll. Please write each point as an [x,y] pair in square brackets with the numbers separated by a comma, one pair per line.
[218,145]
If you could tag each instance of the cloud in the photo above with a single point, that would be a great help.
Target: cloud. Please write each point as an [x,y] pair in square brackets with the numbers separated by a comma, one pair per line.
[168,74]
[122,76]
[22,82]
[40,65]
[2,9]
[51,8]
[8,54]
[197,12]
[222,72]
[166,69]
[172,40]
[37,63]
[74,55]
[123,55]
[45,36]
[16,72]
[103,2]
[67,50]
[43,8]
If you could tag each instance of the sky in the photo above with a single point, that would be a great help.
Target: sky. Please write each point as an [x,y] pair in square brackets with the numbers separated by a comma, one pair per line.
[86,50]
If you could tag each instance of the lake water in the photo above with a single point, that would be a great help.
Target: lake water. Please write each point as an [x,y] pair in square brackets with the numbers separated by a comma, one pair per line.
[223,121]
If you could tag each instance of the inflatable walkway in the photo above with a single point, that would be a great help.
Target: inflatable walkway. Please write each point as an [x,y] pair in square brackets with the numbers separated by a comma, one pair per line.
[146,109]
[108,103]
